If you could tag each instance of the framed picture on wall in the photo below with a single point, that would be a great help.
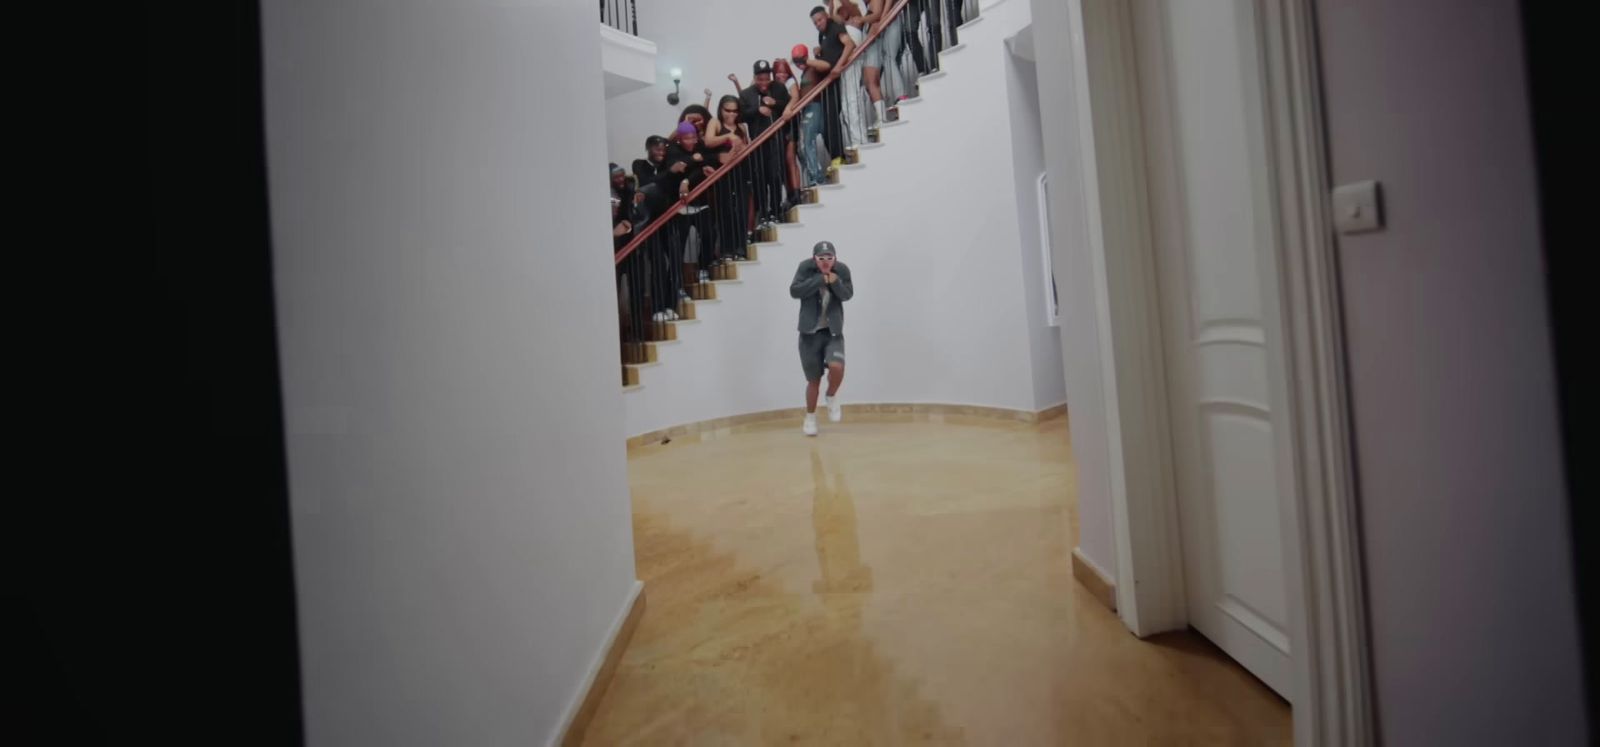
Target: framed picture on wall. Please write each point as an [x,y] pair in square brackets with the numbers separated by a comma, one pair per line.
[1052,298]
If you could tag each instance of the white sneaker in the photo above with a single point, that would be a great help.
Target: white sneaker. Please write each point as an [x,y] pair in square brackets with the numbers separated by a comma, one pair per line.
[835,409]
[810,426]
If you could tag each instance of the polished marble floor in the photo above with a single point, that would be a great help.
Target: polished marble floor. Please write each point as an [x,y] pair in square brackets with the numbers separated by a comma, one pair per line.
[903,579]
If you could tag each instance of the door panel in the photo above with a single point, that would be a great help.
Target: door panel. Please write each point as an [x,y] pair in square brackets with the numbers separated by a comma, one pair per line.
[1200,79]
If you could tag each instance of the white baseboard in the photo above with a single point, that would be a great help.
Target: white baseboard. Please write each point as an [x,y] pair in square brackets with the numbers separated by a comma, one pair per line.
[576,718]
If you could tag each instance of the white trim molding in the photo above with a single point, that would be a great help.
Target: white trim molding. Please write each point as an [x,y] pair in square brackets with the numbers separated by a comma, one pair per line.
[1333,692]
[1331,688]
[1150,589]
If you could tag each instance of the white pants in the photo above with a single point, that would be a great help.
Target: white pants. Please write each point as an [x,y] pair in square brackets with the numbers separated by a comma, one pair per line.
[852,98]
[885,55]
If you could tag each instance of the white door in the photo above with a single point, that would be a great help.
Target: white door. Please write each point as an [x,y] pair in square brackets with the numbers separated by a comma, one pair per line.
[1200,79]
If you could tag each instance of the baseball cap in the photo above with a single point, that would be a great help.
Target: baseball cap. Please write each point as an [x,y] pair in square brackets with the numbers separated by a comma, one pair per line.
[799,52]
[761,66]
[823,248]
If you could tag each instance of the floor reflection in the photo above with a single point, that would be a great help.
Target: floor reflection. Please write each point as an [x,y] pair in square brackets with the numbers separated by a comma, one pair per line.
[833,516]
[894,581]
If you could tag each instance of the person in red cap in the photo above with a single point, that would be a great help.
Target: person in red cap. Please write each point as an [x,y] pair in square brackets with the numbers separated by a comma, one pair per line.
[783,75]
[813,119]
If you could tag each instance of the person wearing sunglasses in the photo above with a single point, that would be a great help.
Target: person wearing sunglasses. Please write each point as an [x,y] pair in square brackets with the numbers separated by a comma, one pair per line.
[822,284]
[726,138]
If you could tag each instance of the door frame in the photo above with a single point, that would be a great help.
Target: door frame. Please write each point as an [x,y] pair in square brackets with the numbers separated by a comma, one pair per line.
[1331,662]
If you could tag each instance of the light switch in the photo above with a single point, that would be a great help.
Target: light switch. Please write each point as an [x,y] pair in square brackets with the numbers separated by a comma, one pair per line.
[1356,208]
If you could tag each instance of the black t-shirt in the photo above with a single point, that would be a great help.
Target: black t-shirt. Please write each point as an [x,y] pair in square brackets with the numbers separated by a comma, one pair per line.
[624,196]
[693,172]
[750,106]
[623,206]
[832,45]
[645,171]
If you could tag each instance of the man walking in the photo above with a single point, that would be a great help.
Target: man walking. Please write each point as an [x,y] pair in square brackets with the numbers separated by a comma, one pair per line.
[823,285]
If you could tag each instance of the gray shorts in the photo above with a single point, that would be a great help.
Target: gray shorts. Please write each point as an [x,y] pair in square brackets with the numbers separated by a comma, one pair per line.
[886,50]
[818,350]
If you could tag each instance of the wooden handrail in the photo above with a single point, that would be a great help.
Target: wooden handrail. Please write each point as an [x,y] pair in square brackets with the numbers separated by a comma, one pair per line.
[810,96]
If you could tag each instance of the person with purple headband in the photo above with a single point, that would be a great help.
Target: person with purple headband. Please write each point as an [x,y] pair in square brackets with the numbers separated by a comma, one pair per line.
[687,164]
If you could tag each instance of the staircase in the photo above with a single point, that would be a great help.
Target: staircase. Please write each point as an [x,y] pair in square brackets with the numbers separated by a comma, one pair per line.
[644,350]
[639,356]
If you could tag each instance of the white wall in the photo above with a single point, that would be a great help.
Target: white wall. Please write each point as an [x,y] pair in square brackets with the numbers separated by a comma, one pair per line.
[461,518]
[1081,323]
[1027,159]
[940,313]
[707,39]
[629,61]
[1464,513]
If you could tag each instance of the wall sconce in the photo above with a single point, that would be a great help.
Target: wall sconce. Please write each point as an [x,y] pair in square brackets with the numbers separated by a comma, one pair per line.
[677,78]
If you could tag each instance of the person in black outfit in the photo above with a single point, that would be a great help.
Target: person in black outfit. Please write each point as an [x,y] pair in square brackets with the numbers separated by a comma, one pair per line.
[654,182]
[690,233]
[623,199]
[833,45]
[697,115]
[726,138]
[628,217]
[648,168]
[762,106]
